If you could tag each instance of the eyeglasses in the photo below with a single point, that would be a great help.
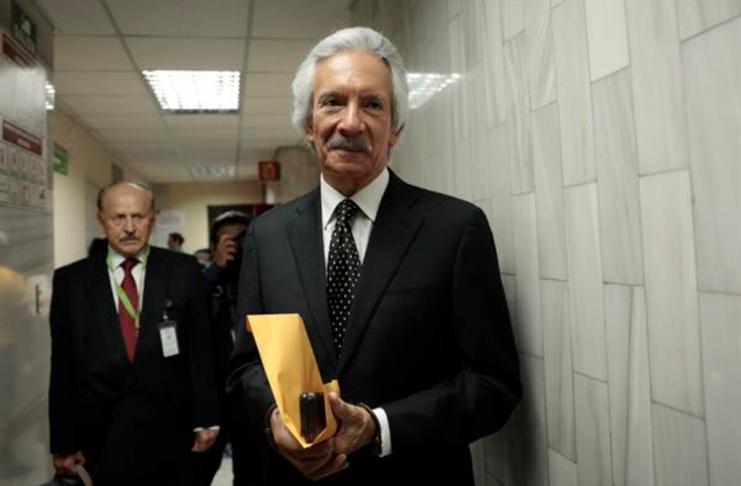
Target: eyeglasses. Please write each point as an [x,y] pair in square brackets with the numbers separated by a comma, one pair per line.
[120,220]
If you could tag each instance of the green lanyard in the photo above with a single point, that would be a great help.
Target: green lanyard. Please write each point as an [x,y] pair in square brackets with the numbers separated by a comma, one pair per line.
[122,297]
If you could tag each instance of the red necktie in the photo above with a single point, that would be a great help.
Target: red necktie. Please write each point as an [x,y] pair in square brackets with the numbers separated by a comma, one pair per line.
[127,322]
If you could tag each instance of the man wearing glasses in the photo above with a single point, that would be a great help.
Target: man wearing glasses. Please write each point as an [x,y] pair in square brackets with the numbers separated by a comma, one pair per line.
[132,388]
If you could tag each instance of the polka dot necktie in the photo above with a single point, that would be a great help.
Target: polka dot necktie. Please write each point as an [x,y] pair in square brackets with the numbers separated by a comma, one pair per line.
[343,271]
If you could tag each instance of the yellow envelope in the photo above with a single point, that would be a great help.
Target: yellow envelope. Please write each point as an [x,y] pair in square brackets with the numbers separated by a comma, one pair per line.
[291,368]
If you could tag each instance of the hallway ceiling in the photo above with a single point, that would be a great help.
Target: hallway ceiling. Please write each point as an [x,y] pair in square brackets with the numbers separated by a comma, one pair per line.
[101,47]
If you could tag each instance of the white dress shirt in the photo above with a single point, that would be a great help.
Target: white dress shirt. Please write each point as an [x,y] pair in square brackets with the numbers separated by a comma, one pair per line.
[368,200]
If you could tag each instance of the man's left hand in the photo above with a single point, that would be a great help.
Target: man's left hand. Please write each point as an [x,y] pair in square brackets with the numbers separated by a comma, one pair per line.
[204,439]
[356,427]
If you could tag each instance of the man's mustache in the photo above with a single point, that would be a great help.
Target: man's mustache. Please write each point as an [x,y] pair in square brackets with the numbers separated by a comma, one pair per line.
[353,144]
[128,239]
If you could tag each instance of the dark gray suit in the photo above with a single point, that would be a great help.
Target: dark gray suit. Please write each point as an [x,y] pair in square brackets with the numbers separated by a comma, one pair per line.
[428,338]
[130,420]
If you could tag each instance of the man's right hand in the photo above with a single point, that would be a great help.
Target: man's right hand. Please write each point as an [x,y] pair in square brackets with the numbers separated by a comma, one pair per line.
[225,251]
[64,464]
[314,462]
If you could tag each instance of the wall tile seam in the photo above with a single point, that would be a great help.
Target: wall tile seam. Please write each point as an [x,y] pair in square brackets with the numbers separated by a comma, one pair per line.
[702,32]
[590,377]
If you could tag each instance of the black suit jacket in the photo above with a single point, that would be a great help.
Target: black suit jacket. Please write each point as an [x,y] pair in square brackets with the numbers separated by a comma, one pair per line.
[428,338]
[129,419]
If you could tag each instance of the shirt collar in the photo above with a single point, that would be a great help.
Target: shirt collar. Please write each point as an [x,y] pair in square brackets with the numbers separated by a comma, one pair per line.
[368,198]
[115,259]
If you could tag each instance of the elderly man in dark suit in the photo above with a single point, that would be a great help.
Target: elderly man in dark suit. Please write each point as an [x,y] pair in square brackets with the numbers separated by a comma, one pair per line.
[399,288]
[132,389]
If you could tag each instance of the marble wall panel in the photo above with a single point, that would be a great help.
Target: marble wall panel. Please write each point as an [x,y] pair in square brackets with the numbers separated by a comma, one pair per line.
[540,66]
[549,193]
[585,281]
[559,380]
[617,175]
[501,220]
[661,132]
[493,59]
[712,76]
[671,291]
[617,329]
[528,449]
[720,316]
[561,471]
[696,16]
[528,328]
[607,36]
[680,448]
[574,92]
[518,114]
[639,463]
[592,431]
[513,18]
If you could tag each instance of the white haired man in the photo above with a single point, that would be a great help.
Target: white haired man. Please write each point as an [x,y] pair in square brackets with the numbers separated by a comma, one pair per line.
[399,288]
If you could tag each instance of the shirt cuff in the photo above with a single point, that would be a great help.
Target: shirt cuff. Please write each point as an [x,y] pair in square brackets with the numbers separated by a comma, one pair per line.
[213,427]
[383,422]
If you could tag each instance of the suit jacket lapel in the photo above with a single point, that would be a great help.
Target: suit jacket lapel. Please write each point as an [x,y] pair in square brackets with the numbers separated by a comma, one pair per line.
[103,309]
[393,231]
[153,305]
[305,237]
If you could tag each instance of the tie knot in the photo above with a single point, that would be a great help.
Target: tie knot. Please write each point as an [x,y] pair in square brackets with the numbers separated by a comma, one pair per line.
[346,210]
[128,264]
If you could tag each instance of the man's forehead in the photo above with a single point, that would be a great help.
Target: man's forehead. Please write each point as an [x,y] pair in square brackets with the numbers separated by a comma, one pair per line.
[126,195]
[351,66]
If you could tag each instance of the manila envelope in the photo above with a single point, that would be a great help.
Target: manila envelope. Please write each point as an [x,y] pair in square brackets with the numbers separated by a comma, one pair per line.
[291,368]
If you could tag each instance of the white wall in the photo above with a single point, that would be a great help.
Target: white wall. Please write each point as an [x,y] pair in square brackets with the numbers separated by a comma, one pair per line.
[601,139]
[193,201]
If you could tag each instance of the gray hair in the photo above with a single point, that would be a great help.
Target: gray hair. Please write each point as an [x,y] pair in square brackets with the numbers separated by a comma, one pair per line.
[353,38]
[137,184]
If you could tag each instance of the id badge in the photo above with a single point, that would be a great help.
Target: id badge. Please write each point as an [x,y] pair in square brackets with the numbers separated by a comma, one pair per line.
[169,338]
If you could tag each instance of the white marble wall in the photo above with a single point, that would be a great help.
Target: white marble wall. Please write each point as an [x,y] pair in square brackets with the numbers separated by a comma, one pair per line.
[603,140]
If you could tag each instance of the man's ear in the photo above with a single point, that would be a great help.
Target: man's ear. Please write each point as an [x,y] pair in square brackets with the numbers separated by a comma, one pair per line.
[395,136]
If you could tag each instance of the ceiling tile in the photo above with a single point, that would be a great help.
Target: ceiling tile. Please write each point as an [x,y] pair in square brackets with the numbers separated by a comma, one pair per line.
[77,16]
[196,54]
[268,105]
[151,156]
[140,147]
[299,19]
[184,18]
[99,105]
[89,53]
[204,134]
[267,121]
[268,84]
[92,83]
[106,122]
[277,55]
[202,121]
[133,135]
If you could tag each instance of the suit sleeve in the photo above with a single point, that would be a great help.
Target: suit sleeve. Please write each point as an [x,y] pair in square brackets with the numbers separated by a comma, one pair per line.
[247,384]
[478,398]
[62,383]
[201,352]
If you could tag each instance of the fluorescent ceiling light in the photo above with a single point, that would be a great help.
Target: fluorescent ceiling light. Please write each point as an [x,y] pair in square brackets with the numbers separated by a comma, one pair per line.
[195,91]
[423,86]
[211,172]
[50,94]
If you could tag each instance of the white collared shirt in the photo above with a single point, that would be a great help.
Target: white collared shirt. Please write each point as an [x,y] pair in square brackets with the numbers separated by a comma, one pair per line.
[117,274]
[368,200]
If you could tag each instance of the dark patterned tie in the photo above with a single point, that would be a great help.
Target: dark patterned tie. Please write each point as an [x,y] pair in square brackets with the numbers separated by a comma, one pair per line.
[127,322]
[343,271]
